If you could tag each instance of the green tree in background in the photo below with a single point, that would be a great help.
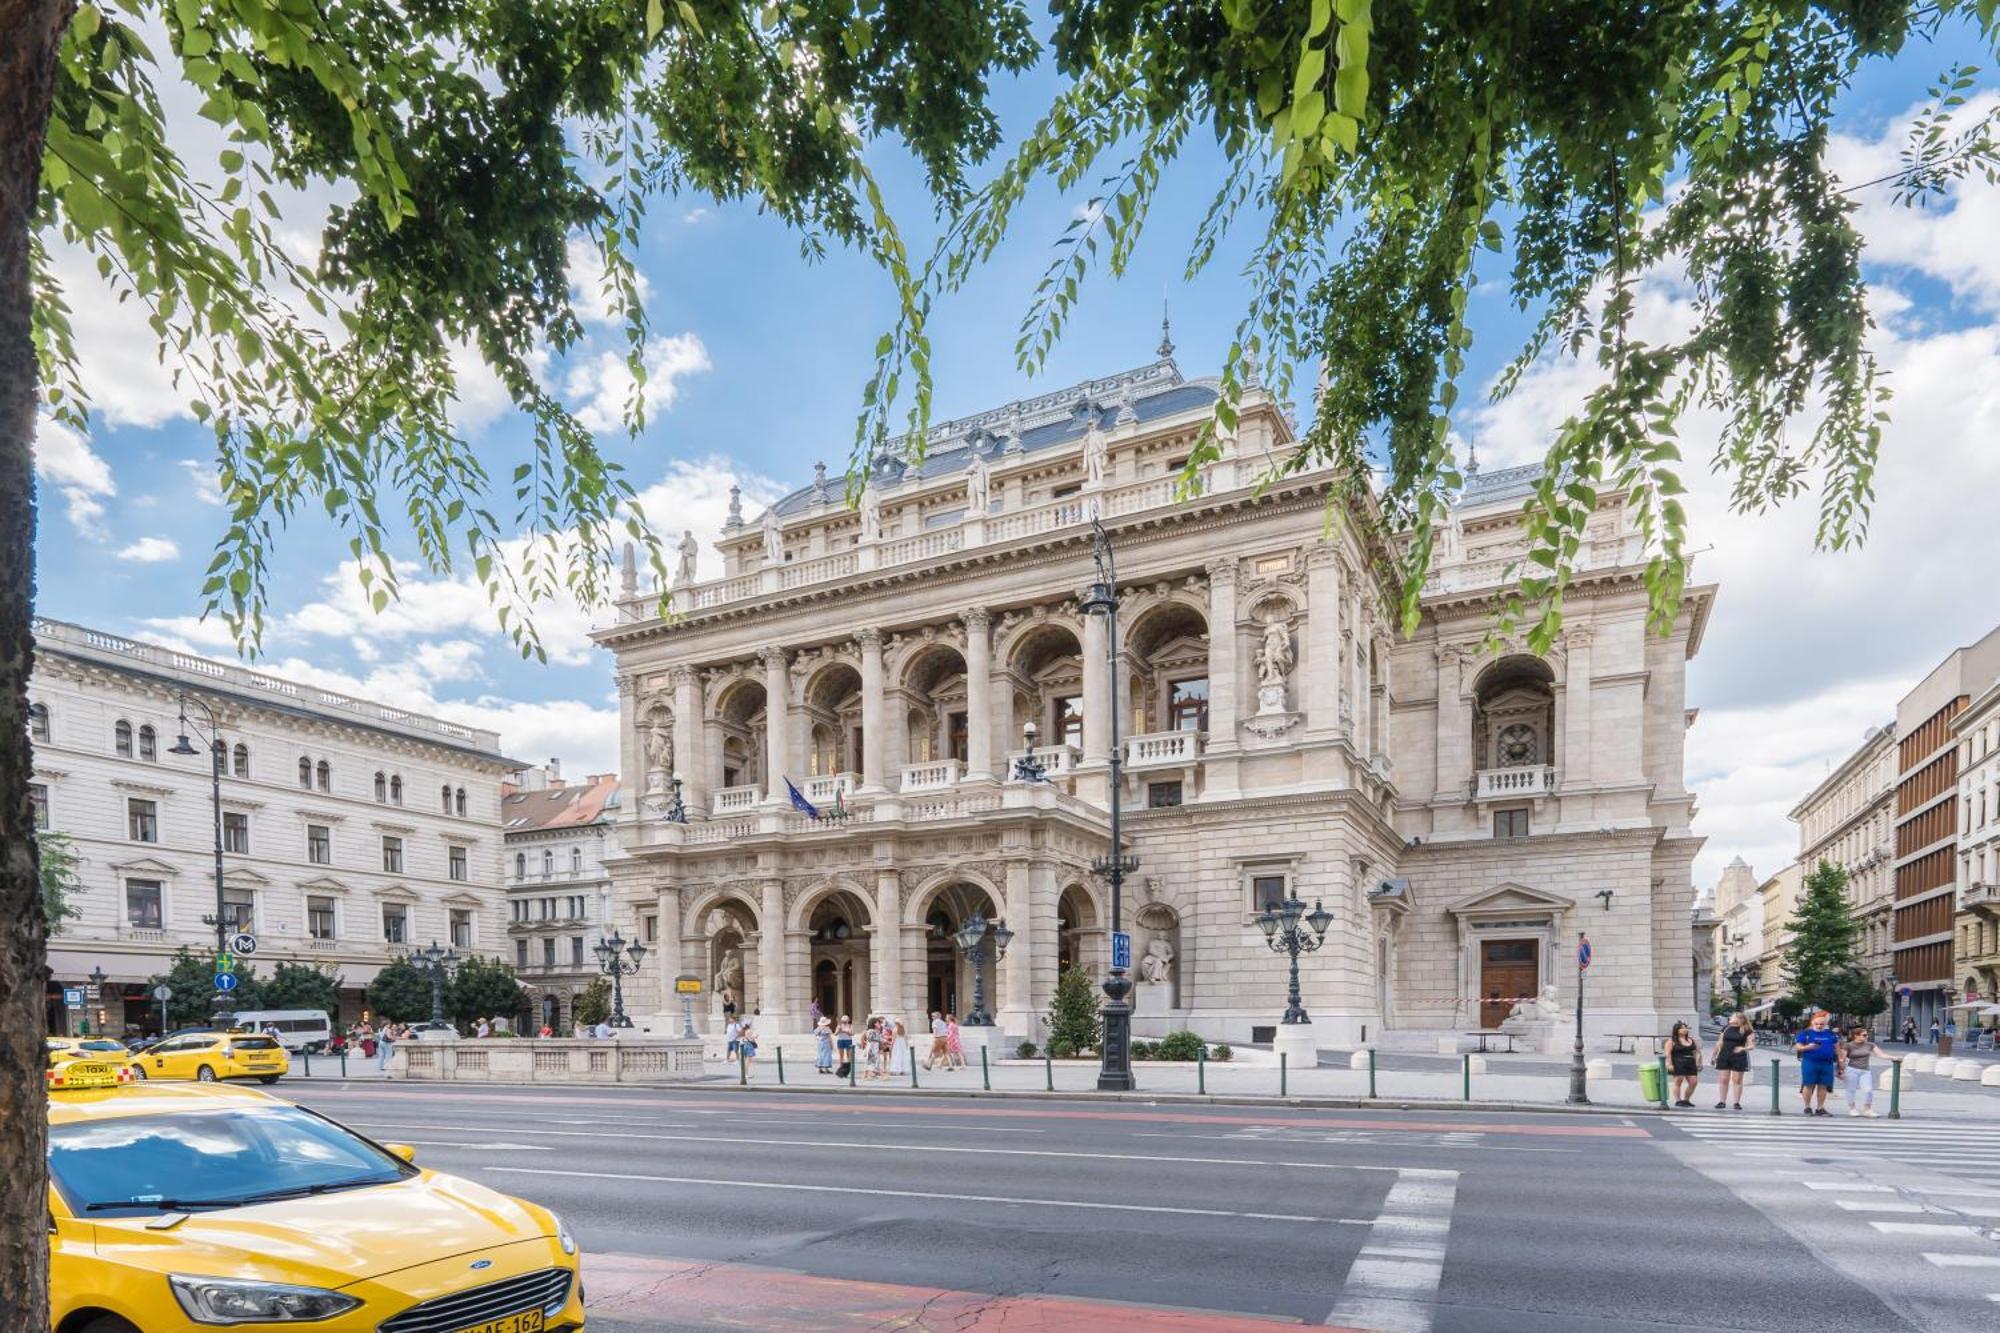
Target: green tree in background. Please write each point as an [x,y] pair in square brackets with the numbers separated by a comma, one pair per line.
[1074,1026]
[1850,993]
[483,988]
[1824,934]
[192,977]
[60,881]
[302,986]
[592,1004]
[400,992]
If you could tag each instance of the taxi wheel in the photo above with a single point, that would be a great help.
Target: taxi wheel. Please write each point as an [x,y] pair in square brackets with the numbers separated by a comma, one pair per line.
[204,1075]
[107,1323]
[267,1078]
[138,1071]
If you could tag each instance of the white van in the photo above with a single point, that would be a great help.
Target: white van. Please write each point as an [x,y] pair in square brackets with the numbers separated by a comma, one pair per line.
[297,1029]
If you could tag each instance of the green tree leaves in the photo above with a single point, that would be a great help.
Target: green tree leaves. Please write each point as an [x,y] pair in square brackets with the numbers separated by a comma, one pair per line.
[400,993]
[60,881]
[1821,954]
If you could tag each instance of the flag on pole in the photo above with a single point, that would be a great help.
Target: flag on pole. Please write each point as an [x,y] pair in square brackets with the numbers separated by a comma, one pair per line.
[799,801]
[1582,952]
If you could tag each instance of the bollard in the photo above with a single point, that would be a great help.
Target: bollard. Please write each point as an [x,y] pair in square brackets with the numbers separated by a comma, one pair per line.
[1201,1070]
[985,1071]
[1371,1071]
[1465,1068]
[1895,1089]
[1049,1068]
[781,1065]
[343,1062]
[1283,1057]
[853,1065]
[1775,1068]
[742,1066]
[913,1068]
[307,1056]
[1663,1082]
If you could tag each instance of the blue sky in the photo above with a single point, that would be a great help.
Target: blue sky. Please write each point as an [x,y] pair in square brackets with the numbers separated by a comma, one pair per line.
[762,356]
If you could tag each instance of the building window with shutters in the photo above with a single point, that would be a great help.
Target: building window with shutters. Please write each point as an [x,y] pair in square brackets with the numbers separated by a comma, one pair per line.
[142,820]
[548,951]
[520,955]
[576,950]
[236,833]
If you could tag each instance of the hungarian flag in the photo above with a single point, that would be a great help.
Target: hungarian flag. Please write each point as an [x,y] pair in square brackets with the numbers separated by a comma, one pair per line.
[1582,952]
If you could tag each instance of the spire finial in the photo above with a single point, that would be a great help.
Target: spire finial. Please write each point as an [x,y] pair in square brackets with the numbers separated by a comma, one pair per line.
[1472,459]
[1166,348]
[735,507]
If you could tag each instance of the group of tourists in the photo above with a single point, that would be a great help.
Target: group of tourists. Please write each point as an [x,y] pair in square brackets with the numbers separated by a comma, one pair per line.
[1825,1056]
[882,1047]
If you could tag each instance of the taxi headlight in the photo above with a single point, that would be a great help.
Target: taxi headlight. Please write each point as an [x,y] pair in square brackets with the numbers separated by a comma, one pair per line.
[563,1238]
[223,1300]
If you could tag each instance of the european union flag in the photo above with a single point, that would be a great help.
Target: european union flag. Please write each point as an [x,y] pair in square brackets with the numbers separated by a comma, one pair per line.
[799,801]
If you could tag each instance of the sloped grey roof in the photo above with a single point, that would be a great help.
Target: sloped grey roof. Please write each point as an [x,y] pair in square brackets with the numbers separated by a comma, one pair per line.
[1509,483]
[1046,421]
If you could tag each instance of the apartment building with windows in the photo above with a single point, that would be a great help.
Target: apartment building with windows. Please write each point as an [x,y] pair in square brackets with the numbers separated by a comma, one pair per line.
[558,835]
[1849,820]
[1461,810]
[352,830]
[1976,943]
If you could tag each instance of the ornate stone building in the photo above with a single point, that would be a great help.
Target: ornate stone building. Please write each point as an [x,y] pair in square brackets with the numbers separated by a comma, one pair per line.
[1460,810]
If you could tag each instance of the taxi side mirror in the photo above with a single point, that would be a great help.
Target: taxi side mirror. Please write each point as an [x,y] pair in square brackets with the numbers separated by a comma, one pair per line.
[403,1151]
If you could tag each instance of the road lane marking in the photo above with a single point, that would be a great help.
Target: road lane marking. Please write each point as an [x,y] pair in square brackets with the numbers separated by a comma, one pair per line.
[1393,1281]
[817,1144]
[1877,1206]
[1963,1231]
[1356,1143]
[1964,1260]
[1846,1187]
[922,1194]
[477,1147]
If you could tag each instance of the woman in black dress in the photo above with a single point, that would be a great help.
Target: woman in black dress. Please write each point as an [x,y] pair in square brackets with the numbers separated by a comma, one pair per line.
[1732,1059]
[1683,1065]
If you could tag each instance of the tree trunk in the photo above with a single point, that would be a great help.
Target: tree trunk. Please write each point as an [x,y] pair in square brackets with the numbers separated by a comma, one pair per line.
[32,30]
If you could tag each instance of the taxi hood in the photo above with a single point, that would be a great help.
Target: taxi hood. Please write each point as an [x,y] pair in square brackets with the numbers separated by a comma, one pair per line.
[331,1240]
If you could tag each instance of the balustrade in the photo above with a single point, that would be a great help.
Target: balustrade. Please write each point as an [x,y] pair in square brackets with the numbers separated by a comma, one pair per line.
[733,800]
[1525,780]
[830,787]
[1165,749]
[935,776]
[1058,761]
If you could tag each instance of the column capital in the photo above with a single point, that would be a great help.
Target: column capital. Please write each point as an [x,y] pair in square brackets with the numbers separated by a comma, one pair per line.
[681,676]
[1582,636]
[976,617]
[773,657]
[1321,556]
[869,636]
[1222,570]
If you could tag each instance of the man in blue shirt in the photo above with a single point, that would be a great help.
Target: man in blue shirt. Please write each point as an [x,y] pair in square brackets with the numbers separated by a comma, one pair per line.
[1818,1049]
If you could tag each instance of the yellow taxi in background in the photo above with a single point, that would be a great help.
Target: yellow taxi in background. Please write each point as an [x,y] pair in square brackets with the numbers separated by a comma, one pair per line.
[208,1056]
[98,1050]
[178,1208]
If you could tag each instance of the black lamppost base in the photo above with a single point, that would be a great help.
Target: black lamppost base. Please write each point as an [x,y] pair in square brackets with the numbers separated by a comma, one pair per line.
[1114,1073]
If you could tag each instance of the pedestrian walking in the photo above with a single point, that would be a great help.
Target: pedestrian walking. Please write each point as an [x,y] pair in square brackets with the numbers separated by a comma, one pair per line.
[732,1033]
[871,1049]
[603,1030]
[1683,1064]
[485,1027]
[954,1045]
[899,1052]
[385,1045]
[576,1031]
[822,1045]
[1732,1059]
[746,1044]
[1934,1032]
[547,1031]
[1818,1049]
[940,1054]
[1856,1075]
[843,1041]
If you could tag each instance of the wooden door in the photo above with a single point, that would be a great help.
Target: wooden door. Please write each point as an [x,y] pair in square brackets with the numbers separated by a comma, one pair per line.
[1507,975]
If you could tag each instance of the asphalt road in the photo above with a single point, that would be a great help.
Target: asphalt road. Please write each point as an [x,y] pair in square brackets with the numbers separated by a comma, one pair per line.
[720,1208]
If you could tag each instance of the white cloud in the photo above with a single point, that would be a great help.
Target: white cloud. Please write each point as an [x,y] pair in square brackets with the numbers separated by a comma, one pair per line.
[600,385]
[203,479]
[150,551]
[64,460]
[585,265]
[196,634]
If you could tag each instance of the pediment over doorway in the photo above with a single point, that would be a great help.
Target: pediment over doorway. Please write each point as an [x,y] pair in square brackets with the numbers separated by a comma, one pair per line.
[1508,898]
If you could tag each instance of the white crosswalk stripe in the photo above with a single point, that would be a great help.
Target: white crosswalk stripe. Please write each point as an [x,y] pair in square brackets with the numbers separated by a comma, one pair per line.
[1969,1153]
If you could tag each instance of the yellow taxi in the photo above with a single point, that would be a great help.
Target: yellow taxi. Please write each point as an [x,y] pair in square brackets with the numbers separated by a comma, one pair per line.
[178,1208]
[208,1056]
[98,1050]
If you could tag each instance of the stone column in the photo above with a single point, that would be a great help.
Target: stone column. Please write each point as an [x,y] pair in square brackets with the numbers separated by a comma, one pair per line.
[885,947]
[1015,1002]
[1222,702]
[1096,691]
[1455,760]
[688,736]
[631,757]
[873,779]
[1573,766]
[1360,625]
[667,952]
[978,693]
[771,989]
[1318,679]
[777,723]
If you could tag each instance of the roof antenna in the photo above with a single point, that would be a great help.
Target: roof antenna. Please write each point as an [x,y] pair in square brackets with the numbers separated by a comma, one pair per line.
[1166,348]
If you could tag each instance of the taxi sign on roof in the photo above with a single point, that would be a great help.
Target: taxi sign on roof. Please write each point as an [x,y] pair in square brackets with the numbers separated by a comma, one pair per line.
[79,1074]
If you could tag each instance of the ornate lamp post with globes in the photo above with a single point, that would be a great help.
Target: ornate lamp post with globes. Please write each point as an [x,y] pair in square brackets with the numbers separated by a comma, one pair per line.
[981,941]
[436,964]
[618,960]
[1114,1072]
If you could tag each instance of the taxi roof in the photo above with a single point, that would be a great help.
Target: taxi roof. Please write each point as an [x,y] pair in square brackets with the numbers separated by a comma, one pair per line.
[129,1099]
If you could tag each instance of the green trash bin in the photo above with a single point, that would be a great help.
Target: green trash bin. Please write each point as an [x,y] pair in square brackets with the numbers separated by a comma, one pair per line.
[1650,1086]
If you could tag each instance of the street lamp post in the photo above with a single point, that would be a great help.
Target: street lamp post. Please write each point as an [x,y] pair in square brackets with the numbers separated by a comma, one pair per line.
[436,965]
[1114,1072]
[224,1005]
[97,979]
[612,955]
[981,941]
[1280,924]
[1029,767]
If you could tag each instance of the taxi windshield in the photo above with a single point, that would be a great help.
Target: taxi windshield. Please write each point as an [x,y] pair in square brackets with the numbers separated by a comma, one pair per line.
[130,1166]
[246,1042]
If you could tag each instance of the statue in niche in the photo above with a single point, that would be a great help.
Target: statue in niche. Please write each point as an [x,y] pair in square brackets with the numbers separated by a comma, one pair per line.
[728,973]
[774,537]
[659,743]
[686,553]
[1157,967]
[1274,655]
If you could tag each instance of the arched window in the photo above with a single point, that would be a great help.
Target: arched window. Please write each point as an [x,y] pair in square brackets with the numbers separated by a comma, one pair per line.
[240,761]
[381,785]
[325,774]
[149,747]
[459,802]
[305,772]
[445,798]
[121,738]
[520,865]
[38,722]
[548,863]
[576,858]
[396,789]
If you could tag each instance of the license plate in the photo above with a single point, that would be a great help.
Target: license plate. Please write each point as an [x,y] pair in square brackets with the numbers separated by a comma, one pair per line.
[527,1321]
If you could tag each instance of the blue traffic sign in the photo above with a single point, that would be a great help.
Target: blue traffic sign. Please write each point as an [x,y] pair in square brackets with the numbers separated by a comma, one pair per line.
[225,981]
[73,997]
[1121,949]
